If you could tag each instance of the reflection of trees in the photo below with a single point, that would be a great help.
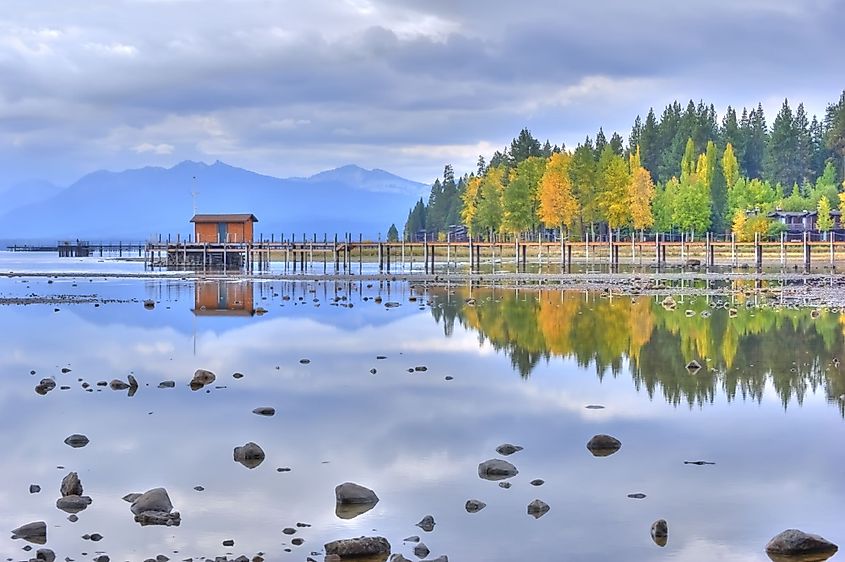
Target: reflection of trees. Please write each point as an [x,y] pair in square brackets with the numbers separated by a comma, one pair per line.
[788,350]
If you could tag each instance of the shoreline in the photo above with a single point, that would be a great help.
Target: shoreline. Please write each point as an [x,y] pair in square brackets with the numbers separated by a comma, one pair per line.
[787,289]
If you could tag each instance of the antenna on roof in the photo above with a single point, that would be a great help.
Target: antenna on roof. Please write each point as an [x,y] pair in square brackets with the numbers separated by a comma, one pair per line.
[194,194]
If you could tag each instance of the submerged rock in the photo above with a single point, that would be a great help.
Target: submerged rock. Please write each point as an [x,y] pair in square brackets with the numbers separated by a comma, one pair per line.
[45,555]
[496,469]
[154,507]
[118,384]
[421,550]
[508,449]
[362,546]
[603,445]
[660,532]
[352,510]
[250,455]
[474,506]
[427,523]
[201,378]
[45,386]
[265,411]
[538,508]
[793,543]
[76,440]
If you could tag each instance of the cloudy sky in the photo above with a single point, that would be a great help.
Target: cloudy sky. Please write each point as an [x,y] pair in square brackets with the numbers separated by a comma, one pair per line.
[292,87]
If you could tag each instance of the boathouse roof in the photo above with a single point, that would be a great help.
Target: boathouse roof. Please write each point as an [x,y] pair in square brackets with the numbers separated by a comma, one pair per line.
[244,217]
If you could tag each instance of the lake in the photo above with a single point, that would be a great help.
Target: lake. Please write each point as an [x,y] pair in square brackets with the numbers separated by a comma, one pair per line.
[341,364]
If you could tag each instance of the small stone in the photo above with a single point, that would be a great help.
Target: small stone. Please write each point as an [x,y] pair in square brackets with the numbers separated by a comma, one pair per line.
[304,361]
[149,304]
[496,469]
[427,523]
[45,386]
[693,366]
[413,538]
[289,531]
[237,375]
[594,407]
[505,485]
[250,455]
[73,518]
[34,488]
[199,488]
[45,555]
[229,542]
[474,506]
[603,445]
[637,496]
[76,441]
[265,411]
[167,384]
[660,532]
[202,377]
[298,541]
[538,508]
[421,550]
[537,482]
[118,384]
[508,449]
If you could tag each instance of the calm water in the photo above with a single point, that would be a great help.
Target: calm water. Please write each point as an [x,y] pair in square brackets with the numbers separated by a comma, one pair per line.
[765,408]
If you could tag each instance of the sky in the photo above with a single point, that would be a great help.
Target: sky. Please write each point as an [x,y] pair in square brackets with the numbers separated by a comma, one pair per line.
[292,88]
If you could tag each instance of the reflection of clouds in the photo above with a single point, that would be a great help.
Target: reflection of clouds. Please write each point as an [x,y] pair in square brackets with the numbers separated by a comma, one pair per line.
[414,438]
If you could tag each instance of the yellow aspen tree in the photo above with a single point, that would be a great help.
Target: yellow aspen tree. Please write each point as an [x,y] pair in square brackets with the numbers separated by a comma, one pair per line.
[739,226]
[558,205]
[640,196]
[470,203]
[730,166]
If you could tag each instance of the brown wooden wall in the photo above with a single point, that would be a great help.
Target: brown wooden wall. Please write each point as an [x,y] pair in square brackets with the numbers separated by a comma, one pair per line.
[237,232]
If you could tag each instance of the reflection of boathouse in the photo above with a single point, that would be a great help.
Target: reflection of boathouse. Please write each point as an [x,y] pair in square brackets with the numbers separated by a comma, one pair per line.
[221,298]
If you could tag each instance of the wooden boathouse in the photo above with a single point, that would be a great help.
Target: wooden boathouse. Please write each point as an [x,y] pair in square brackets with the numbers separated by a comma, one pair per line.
[223,229]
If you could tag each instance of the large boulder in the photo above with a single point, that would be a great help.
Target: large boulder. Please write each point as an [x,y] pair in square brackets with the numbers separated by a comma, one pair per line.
[351,493]
[35,532]
[152,500]
[660,532]
[73,503]
[793,544]
[603,445]
[250,455]
[496,469]
[71,485]
[362,546]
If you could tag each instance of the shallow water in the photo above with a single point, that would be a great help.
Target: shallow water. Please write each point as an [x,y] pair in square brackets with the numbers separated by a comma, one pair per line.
[765,408]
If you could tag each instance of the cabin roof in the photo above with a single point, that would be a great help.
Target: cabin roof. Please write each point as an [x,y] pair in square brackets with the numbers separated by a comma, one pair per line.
[833,213]
[245,217]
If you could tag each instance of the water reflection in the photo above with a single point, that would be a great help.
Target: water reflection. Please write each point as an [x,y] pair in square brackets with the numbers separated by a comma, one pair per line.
[223,298]
[743,348]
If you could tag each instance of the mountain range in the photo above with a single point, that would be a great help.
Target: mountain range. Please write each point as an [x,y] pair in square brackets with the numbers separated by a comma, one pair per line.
[144,203]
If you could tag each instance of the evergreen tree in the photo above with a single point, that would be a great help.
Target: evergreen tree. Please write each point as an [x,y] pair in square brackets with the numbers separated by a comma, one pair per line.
[547,150]
[731,134]
[756,138]
[835,130]
[481,166]
[436,209]
[636,133]
[718,189]
[523,147]
[803,144]
[392,234]
[601,142]
[617,144]
[781,155]
[649,145]
[416,220]
[820,153]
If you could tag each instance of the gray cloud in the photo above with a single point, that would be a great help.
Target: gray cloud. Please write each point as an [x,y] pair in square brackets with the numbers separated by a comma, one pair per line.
[407,85]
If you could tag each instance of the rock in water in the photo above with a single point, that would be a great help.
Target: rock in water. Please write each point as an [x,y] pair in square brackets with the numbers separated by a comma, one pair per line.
[693,366]
[508,449]
[362,546]
[35,532]
[603,445]
[538,508]
[45,555]
[149,304]
[118,384]
[660,532]
[421,550]
[152,500]
[201,378]
[45,386]
[73,503]
[76,441]
[250,455]
[496,469]
[793,542]
[427,523]
[351,493]
[474,506]
[71,485]
[264,411]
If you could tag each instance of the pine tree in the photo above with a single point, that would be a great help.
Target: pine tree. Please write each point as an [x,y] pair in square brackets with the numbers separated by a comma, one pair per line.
[636,133]
[649,145]
[835,129]
[523,147]
[820,153]
[803,144]
[781,155]
[756,139]
[601,142]
[731,134]
[392,234]
[616,144]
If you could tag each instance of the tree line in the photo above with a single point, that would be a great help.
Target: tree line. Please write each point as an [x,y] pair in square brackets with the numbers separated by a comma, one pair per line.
[686,171]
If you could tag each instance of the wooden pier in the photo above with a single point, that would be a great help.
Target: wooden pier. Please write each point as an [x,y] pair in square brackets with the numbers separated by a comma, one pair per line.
[345,255]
